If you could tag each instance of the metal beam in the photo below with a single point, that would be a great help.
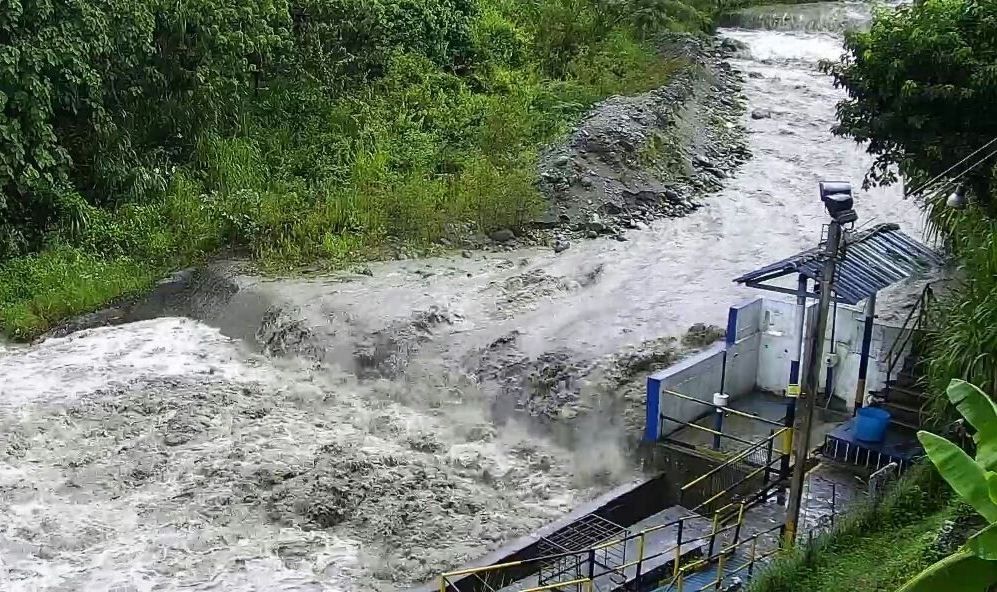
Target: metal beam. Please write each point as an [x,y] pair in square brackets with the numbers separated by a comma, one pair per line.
[790,291]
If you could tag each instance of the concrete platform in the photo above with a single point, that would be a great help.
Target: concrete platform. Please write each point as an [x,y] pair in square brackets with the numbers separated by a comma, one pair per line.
[767,405]
[900,445]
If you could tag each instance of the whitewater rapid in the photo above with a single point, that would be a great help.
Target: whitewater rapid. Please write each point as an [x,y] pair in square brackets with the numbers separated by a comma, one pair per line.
[168,454]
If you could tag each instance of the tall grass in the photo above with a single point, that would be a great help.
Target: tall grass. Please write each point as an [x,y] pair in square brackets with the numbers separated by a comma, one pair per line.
[40,290]
[965,342]
[865,547]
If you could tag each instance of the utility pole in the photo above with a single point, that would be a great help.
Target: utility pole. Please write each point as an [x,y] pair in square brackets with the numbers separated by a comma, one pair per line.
[837,198]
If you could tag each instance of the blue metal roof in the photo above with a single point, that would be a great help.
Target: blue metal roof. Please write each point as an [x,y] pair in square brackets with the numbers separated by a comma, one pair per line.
[873,259]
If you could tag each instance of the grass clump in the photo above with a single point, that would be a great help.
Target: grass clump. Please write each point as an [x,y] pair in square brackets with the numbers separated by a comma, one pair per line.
[41,289]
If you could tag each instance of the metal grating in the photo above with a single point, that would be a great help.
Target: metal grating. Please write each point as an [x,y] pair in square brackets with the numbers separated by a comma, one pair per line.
[874,259]
[579,538]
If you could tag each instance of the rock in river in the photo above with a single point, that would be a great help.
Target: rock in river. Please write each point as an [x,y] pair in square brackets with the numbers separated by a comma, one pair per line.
[502,236]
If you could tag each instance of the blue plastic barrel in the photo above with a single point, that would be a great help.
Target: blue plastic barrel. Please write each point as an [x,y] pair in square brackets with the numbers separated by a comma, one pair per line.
[871,424]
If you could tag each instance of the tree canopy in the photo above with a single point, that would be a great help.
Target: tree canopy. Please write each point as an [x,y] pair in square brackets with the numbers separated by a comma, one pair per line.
[922,91]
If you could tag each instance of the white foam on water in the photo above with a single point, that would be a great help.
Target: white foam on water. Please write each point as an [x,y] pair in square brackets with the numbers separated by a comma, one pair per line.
[62,369]
[147,456]
[161,455]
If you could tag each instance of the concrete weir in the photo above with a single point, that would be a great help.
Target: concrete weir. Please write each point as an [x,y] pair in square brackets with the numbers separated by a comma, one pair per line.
[648,505]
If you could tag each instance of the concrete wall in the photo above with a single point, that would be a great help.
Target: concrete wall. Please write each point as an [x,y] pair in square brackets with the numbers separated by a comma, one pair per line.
[778,338]
[761,338]
[700,375]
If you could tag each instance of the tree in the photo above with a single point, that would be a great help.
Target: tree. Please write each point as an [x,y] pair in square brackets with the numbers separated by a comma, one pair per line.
[922,92]
[974,567]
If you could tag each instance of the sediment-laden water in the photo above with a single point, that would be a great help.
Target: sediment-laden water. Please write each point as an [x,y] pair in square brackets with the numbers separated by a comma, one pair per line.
[170,454]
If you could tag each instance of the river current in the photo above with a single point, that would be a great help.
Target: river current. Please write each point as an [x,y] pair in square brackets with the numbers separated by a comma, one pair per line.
[168,454]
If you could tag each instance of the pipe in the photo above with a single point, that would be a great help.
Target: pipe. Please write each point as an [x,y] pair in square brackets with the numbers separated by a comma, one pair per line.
[720,401]
[793,389]
[829,379]
[797,353]
[870,318]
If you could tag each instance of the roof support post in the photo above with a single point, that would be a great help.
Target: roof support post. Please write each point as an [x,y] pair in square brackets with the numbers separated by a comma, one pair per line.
[870,318]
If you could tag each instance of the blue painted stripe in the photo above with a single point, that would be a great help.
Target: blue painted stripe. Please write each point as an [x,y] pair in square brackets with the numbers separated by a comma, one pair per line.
[652,427]
[731,336]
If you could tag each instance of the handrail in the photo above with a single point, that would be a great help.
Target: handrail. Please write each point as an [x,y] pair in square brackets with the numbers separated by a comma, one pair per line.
[726,409]
[676,549]
[720,556]
[736,458]
[907,331]
[689,424]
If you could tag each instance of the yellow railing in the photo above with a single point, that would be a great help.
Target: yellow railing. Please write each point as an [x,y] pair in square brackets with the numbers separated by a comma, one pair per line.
[722,559]
[736,412]
[493,577]
[745,466]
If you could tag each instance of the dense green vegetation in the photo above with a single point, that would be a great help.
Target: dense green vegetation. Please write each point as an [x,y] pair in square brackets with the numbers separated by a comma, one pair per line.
[139,136]
[876,547]
[922,89]
[974,565]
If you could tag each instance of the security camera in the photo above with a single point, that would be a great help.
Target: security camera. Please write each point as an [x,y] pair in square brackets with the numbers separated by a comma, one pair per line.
[837,198]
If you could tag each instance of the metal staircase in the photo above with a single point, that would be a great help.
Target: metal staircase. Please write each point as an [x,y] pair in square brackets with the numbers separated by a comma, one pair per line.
[903,395]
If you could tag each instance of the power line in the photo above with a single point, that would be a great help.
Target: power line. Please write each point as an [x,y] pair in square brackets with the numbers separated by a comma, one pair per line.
[925,186]
[941,187]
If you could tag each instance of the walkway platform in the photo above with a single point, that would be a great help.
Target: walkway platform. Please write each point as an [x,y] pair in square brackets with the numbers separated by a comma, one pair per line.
[900,446]
[659,549]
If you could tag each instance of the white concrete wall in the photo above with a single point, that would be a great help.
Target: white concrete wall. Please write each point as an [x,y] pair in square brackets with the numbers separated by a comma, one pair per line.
[778,338]
[761,335]
[700,376]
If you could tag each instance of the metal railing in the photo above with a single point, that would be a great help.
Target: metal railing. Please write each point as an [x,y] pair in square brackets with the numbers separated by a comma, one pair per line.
[725,558]
[735,441]
[505,575]
[749,472]
[915,323]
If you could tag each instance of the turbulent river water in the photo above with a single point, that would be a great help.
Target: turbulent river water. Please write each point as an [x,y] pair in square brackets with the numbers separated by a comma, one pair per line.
[170,454]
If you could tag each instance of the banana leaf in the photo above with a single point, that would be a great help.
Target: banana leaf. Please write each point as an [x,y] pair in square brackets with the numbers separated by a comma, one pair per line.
[981,413]
[984,543]
[963,475]
[960,572]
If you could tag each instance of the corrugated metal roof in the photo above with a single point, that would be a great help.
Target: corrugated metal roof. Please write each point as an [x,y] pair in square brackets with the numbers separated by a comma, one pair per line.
[874,259]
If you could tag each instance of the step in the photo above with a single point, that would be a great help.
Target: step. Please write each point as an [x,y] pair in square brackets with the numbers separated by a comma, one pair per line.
[912,365]
[907,415]
[908,379]
[902,395]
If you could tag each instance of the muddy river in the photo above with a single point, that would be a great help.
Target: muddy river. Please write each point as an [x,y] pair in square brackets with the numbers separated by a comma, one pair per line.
[173,454]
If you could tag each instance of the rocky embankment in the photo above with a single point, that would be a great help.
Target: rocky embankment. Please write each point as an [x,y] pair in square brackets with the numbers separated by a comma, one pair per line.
[658,154]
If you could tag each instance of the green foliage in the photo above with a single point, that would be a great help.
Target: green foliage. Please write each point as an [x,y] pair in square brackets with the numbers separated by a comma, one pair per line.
[965,344]
[971,567]
[140,136]
[876,561]
[38,290]
[922,84]
[967,478]
[851,556]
